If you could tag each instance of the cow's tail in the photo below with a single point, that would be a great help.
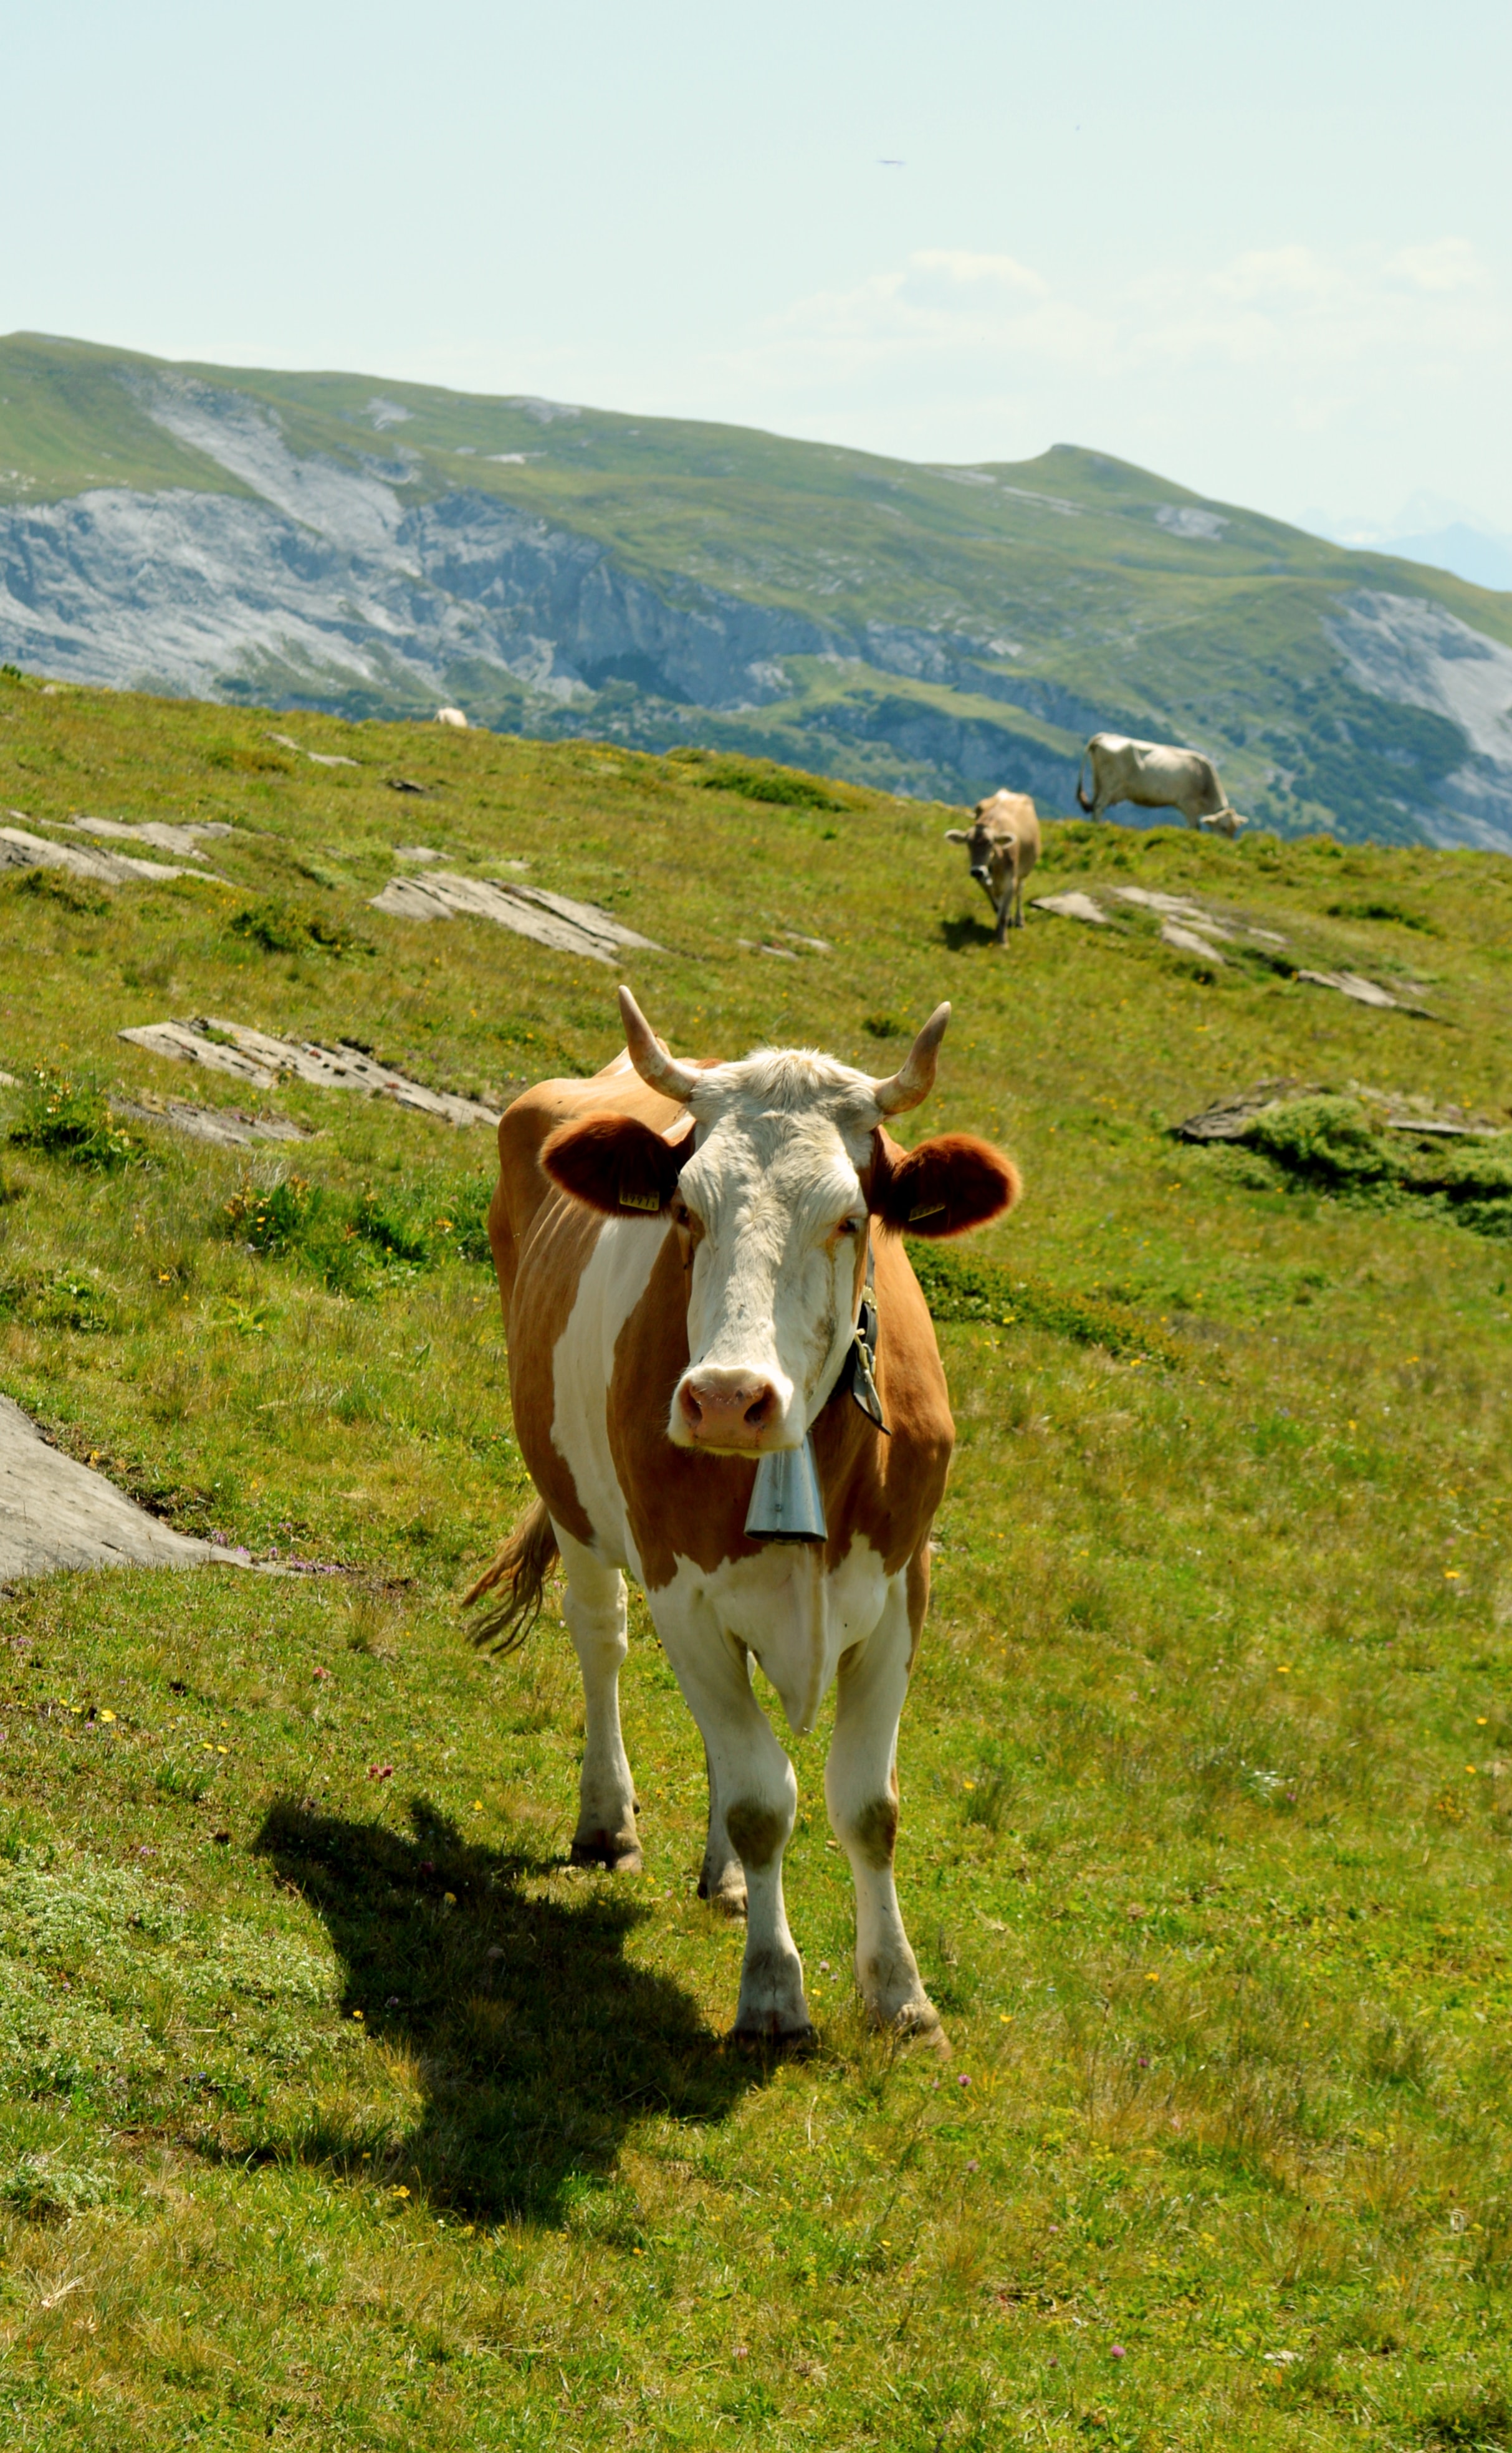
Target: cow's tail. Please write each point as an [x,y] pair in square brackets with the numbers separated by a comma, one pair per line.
[1081,798]
[521,1567]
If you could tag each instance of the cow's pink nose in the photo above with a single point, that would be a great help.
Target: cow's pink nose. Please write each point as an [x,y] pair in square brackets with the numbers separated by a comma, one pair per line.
[728,1409]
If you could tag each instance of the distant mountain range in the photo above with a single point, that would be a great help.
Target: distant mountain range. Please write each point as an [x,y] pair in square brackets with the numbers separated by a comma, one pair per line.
[337,541]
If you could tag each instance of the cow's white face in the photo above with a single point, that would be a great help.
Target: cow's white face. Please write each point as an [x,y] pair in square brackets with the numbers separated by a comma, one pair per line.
[773,1220]
[770,1195]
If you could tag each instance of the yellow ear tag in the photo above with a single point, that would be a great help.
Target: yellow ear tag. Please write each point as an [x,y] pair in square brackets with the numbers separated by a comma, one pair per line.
[649,1201]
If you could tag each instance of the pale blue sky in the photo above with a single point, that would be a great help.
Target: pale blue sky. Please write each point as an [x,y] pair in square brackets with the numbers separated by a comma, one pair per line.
[1266,251]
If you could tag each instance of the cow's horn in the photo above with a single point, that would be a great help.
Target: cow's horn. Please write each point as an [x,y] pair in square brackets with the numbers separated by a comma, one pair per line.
[914,1079]
[650,1057]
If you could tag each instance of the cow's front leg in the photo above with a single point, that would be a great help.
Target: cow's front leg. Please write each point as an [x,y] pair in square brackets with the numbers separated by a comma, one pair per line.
[593,1608]
[860,1789]
[754,1788]
[722,1881]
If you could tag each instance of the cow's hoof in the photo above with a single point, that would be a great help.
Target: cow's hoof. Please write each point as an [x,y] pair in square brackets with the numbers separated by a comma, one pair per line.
[917,2023]
[618,1856]
[770,2036]
[727,1895]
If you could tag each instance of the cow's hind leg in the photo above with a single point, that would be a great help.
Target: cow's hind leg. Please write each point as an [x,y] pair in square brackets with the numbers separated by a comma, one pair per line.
[593,1606]
[754,1788]
[861,1788]
[722,1880]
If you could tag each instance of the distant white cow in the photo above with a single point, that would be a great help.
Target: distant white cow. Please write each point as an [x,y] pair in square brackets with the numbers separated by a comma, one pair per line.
[1004,845]
[453,716]
[1155,777]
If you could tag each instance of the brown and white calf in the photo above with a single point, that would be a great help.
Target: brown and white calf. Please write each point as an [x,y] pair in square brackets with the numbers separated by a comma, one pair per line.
[1003,842]
[682,1253]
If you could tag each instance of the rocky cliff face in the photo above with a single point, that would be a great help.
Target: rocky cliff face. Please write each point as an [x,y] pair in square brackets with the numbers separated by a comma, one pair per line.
[321,585]
[1414,653]
[381,578]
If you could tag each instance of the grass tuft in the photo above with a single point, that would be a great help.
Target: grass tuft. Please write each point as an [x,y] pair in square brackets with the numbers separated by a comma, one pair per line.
[283,927]
[42,2189]
[67,1116]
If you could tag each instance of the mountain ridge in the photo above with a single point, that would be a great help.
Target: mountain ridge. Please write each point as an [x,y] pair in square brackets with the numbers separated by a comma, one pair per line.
[350,543]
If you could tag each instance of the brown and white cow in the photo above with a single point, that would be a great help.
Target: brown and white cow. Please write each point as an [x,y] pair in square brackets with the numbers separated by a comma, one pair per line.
[683,1250]
[1154,776]
[1004,842]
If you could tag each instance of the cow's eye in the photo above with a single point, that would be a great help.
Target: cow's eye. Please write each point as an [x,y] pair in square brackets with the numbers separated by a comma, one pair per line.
[849,1227]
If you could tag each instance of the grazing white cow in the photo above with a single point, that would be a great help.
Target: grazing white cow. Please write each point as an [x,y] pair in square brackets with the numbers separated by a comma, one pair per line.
[712,1317]
[1156,777]
[452,716]
[1004,842]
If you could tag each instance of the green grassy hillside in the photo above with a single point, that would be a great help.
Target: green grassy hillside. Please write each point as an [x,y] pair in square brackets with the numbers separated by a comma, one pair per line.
[334,2109]
[933,630]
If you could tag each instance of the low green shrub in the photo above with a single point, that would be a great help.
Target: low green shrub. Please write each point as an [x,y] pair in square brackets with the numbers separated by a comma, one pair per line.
[353,1246]
[67,1116]
[40,2189]
[1372,907]
[1468,1170]
[293,1218]
[70,1301]
[282,927]
[1332,1143]
[1326,1140]
[63,892]
[67,1301]
[1475,2419]
[781,786]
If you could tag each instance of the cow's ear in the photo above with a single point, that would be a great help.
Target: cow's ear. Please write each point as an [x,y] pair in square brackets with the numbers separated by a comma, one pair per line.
[957,834]
[945,1187]
[615,1164]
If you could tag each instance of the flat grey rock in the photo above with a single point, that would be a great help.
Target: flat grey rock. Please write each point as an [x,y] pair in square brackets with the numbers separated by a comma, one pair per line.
[1229,1119]
[1172,906]
[1185,941]
[56,1514]
[257,1057]
[162,836]
[21,850]
[1363,992]
[316,757]
[228,1128]
[1072,906]
[554,919]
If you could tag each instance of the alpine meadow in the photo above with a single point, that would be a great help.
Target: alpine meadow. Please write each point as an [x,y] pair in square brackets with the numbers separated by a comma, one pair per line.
[337,2109]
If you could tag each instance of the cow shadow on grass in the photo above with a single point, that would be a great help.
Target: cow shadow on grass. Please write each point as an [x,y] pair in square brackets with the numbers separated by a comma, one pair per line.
[960,935]
[538,2042]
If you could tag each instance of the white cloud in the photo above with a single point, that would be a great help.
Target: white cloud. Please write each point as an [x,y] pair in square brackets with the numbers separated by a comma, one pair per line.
[1277,272]
[1449,263]
[1288,305]
[955,265]
[1276,375]
[939,309]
